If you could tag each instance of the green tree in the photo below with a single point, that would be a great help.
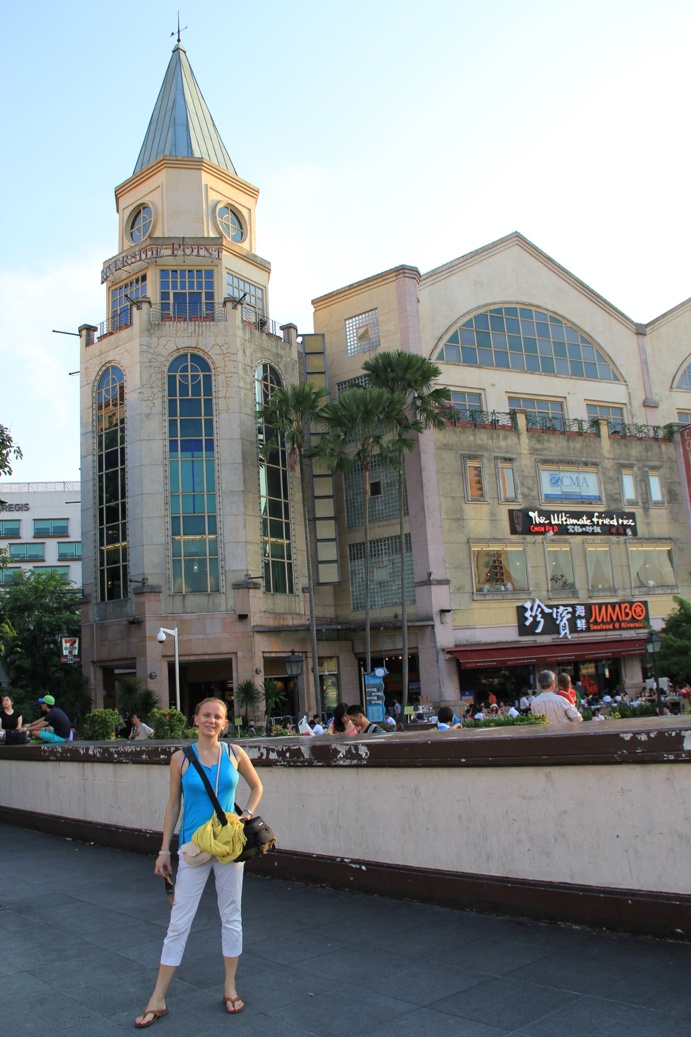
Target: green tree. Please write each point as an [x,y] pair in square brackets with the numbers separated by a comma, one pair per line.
[8,450]
[247,696]
[357,424]
[273,696]
[411,378]
[290,415]
[674,658]
[36,610]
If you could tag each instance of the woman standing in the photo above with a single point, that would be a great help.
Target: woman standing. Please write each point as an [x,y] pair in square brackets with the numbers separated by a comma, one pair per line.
[11,721]
[186,787]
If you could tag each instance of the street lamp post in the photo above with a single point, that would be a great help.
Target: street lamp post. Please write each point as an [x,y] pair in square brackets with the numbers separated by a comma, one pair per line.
[294,669]
[160,637]
[653,644]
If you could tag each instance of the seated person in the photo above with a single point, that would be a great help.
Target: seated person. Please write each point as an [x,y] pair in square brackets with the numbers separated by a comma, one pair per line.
[139,731]
[316,725]
[446,719]
[364,726]
[342,724]
[53,726]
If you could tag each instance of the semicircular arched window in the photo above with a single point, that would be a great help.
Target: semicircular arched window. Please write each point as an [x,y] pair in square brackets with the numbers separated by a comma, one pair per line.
[684,379]
[277,543]
[192,470]
[521,338]
[111,486]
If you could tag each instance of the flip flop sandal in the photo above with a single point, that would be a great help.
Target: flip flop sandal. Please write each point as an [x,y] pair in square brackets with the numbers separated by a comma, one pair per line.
[157,1013]
[228,1001]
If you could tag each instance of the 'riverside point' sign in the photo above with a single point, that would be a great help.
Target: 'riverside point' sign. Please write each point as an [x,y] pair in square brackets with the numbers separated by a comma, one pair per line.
[170,249]
[573,523]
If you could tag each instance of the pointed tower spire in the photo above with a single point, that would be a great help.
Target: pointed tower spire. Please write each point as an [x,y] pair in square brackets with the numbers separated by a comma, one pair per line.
[181,123]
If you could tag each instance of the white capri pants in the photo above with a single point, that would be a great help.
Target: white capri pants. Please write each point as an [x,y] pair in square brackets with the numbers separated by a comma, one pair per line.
[189,886]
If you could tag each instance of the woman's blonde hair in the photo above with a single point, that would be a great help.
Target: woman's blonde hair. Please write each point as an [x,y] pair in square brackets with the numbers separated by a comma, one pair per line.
[210,699]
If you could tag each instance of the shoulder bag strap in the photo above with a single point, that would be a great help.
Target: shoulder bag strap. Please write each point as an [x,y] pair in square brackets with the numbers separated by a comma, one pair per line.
[189,752]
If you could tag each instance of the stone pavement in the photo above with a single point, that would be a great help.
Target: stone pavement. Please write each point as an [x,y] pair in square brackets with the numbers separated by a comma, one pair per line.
[81,929]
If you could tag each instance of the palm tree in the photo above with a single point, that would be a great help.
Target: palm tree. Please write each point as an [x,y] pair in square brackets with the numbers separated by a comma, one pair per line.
[290,413]
[410,377]
[357,423]
[247,696]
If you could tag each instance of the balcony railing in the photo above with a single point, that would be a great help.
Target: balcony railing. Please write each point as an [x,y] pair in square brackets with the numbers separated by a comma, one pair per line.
[482,418]
[192,315]
[251,315]
[467,417]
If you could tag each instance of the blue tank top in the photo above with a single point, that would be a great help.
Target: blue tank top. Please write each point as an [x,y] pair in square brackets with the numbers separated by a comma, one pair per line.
[196,805]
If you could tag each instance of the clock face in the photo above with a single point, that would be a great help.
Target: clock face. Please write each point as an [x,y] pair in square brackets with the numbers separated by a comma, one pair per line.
[141,223]
[230,223]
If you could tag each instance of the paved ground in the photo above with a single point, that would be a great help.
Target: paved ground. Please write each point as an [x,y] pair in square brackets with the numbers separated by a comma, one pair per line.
[81,929]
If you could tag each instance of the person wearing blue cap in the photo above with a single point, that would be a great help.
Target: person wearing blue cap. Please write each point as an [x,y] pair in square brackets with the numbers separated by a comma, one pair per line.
[53,726]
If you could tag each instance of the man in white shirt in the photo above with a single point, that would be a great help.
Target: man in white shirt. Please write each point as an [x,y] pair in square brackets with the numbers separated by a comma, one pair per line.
[316,725]
[139,730]
[558,710]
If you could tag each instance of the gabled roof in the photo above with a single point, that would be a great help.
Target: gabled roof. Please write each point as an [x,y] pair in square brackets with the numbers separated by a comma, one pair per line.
[181,123]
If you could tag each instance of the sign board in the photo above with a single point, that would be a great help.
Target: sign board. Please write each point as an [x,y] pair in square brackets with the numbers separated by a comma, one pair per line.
[70,649]
[536,618]
[374,695]
[572,523]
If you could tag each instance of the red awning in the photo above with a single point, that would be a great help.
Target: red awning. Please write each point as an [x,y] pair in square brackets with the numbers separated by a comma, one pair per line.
[514,653]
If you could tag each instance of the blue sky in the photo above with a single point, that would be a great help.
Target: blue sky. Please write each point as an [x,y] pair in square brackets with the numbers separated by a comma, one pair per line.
[378,134]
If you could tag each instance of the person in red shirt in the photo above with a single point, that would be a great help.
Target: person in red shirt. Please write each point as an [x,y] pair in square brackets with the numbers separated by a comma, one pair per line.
[565,688]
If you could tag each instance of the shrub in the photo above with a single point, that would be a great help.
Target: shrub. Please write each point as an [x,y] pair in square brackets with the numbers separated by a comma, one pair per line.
[507,721]
[190,732]
[168,723]
[100,725]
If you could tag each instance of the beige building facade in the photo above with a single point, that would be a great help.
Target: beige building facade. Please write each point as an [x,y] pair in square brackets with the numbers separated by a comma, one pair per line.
[547,523]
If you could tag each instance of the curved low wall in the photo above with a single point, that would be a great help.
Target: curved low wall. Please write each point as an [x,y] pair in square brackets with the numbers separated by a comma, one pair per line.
[590,825]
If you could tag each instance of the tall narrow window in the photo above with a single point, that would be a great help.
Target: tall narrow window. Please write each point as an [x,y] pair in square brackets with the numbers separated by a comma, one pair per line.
[111,487]
[506,480]
[474,479]
[277,548]
[600,577]
[120,305]
[193,512]
[629,488]
[656,495]
[560,568]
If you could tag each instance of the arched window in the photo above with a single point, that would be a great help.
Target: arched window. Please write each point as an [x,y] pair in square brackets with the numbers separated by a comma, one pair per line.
[525,339]
[111,489]
[277,549]
[193,508]
[684,379]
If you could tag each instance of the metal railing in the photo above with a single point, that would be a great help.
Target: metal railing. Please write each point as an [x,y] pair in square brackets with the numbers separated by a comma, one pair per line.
[251,315]
[482,418]
[637,431]
[193,315]
[189,315]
